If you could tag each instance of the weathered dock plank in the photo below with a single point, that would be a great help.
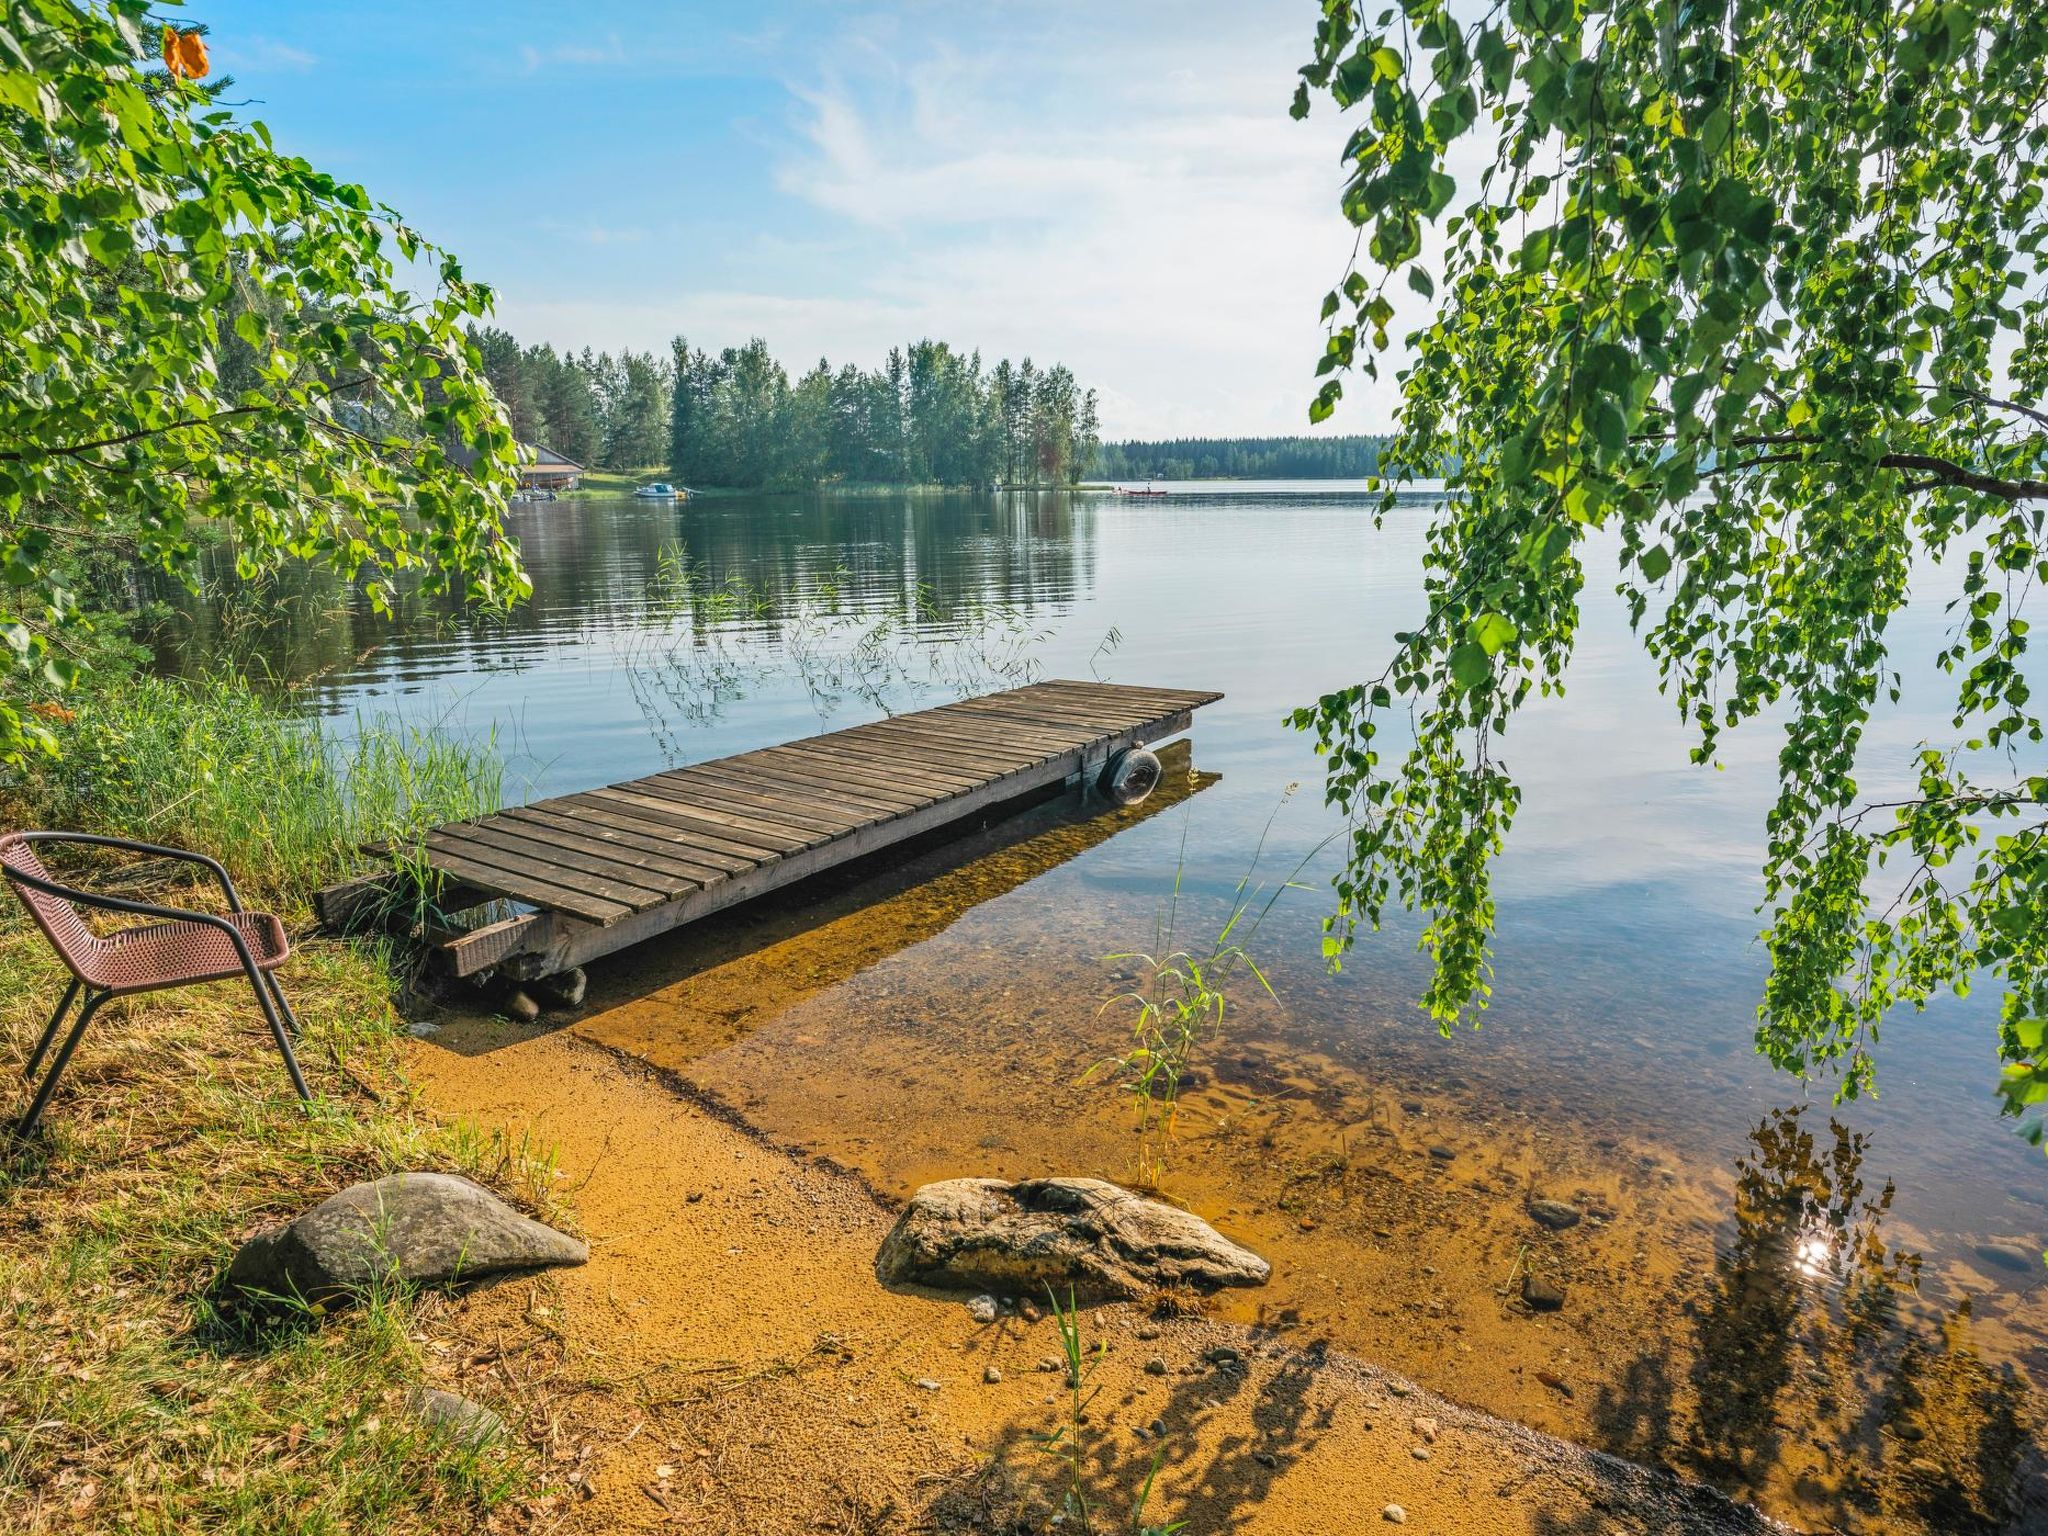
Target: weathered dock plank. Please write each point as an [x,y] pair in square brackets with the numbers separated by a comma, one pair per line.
[613,866]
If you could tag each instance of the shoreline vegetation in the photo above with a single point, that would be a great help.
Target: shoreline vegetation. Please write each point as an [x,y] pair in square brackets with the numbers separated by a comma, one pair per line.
[135,1393]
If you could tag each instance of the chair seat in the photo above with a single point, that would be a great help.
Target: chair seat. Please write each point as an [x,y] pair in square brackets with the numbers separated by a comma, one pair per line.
[173,954]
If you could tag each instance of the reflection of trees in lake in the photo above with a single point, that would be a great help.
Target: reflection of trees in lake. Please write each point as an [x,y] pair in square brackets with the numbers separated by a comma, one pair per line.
[597,566]
[716,639]
[1811,1318]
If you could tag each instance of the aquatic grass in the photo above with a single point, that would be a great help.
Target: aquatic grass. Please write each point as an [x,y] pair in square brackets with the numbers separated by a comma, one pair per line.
[221,765]
[722,636]
[1181,997]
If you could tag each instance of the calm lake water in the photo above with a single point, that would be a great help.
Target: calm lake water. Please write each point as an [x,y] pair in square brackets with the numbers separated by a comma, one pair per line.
[1838,1311]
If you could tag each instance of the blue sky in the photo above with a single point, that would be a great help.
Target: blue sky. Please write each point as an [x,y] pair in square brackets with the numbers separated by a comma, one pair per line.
[1117,186]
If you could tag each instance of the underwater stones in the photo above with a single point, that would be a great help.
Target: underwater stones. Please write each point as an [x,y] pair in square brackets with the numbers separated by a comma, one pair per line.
[564,989]
[420,1228]
[1554,1214]
[2008,1256]
[1542,1295]
[1103,1241]
[982,1309]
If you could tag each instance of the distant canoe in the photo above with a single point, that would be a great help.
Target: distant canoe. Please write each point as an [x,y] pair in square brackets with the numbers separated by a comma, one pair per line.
[1125,490]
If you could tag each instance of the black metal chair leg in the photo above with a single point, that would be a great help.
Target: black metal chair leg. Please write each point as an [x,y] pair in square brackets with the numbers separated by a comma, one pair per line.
[291,1020]
[35,1060]
[41,1101]
[284,1041]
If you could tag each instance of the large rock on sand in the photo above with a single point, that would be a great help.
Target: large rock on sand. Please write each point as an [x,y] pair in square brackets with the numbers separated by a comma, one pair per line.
[1105,1242]
[422,1228]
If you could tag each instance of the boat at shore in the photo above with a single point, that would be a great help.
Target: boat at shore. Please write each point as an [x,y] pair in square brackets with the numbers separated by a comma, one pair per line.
[661,490]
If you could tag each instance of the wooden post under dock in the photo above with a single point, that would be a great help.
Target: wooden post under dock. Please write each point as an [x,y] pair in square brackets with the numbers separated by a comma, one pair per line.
[614,866]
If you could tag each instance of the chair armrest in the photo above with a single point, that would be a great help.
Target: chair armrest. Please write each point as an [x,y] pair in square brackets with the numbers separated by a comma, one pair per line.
[139,909]
[101,840]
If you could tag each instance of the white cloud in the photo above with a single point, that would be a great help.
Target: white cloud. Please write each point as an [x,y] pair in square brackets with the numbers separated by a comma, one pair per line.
[611,51]
[1120,194]
[264,54]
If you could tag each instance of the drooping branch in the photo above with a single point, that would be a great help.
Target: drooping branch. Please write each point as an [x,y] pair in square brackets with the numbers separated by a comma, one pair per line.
[1936,470]
[1947,472]
[183,424]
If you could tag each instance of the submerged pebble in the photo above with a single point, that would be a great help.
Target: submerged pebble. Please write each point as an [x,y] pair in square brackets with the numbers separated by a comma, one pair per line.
[1555,1214]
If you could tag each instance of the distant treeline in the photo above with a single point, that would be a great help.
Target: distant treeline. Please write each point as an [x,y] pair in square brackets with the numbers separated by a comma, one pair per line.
[604,412]
[1242,458]
[928,416]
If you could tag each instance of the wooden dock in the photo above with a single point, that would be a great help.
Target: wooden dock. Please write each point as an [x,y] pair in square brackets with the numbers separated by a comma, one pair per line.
[617,865]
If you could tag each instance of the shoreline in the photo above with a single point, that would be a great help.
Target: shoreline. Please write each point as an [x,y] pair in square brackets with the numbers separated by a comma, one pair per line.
[731,1284]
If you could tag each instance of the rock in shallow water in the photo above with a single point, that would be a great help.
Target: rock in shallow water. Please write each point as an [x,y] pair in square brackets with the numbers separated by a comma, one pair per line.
[1541,1294]
[1554,1214]
[1105,1242]
[421,1228]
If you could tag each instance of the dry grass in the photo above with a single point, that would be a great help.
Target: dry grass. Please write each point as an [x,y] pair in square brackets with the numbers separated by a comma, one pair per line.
[131,1398]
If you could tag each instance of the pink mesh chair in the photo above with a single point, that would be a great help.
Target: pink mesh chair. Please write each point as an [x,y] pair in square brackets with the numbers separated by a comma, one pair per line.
[178,949]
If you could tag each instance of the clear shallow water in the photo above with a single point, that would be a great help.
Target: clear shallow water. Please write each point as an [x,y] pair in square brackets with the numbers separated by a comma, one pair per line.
[1772,1276]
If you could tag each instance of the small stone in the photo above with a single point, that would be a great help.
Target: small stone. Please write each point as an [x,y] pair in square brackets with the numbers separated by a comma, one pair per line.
[1029,1311]
[1148,1333]
[983,1309]
[1265,1458]
[1442,1153]
[1155,1366]
[1921,1467]
[1554,1214]
[1555,1382]
[1158,1428]
[1049,1365]
[1419,1452]
[519,1006]
[419,1029]
[991,1375]
[456,1418]
[1427,1428]
[1541,1294]
[1394,1514]
[1400,1389]
[1222,1354]
[925,1384]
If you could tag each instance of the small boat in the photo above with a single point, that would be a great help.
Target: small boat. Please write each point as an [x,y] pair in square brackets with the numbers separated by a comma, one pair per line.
[1128,490]
[661,490]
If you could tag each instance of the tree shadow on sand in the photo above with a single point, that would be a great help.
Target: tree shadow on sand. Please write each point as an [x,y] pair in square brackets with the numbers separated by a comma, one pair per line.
[1128,1438]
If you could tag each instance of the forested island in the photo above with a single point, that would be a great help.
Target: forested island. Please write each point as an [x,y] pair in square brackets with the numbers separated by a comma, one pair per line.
[929,415]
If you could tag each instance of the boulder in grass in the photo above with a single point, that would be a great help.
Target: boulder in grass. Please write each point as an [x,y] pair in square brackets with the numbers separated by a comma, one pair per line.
[1018,1239]
[421,1228]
